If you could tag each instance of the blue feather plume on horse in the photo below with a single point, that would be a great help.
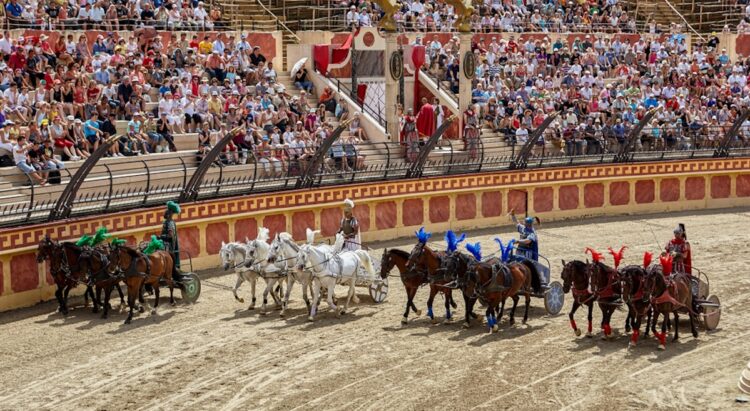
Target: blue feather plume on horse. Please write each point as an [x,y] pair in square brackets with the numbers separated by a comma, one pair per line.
[505,250]
[475,250]
[453,241]
[423,235]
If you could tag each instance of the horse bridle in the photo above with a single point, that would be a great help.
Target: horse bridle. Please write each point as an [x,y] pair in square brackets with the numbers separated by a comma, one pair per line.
[88,254]
[612,279]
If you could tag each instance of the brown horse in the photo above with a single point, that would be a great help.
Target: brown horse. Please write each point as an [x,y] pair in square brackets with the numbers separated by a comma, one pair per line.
[669,295]
[95,262]
[632,282]
[65,270]
[575,276]
[424,259]
[139,269]
[462,267]
[412,280]
[524,279]
[605,285]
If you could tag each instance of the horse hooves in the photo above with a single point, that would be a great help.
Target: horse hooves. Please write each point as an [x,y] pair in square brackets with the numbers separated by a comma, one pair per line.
[282,314]
[128,321]
[695,334]
[589,335]
[447,321]
[141,309]
[104,316]
[252,307]
[578,332]
[473,315]
[95,310]
[310,318]
[494,328]
[153,312]
[404,321]
[418,312]
[466,325]
[241,300]
[355,299]
[662,347]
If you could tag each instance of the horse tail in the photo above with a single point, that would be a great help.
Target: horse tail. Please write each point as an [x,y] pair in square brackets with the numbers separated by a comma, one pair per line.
[536,282]
[364,258]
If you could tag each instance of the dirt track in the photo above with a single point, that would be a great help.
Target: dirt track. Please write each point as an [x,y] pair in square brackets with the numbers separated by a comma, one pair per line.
[218,355]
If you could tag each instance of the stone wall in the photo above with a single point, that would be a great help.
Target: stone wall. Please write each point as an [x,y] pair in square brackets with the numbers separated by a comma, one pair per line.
[388,210]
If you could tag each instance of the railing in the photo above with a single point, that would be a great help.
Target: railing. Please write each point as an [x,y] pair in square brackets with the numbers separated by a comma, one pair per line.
[148,181]
[440,84]
[10,23]
[279,23]
[375,112]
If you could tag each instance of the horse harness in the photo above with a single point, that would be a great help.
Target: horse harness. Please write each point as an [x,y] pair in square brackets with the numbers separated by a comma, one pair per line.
[666,296]
[491,285]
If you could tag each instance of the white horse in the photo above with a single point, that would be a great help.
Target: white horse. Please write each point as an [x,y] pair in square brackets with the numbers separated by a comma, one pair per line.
[331,268]
[256,259]
[284,251]
[233,256]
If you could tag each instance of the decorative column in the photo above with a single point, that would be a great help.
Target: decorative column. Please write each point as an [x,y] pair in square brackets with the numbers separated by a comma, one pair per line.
[394,72]
[465,76]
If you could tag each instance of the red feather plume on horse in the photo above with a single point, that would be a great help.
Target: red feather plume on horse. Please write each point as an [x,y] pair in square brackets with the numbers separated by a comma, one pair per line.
[618,255]
[666,264]
[647,257]
[596,256]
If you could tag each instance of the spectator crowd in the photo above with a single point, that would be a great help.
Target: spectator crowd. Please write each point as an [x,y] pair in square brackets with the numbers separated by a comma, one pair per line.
[70,95]
[113,15]
[602,87]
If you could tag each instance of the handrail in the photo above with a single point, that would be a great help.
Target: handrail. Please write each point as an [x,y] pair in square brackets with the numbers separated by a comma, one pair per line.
[687,24]
[120,185]
[279,22]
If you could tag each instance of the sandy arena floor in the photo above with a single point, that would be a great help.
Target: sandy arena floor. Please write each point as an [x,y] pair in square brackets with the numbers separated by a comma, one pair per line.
[218,355]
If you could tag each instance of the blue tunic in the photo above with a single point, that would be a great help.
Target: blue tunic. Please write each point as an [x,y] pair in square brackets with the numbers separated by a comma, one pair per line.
[530,251]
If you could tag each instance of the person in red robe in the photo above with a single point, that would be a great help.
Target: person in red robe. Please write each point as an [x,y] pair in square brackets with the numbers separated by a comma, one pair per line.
[680,248]
[426,119]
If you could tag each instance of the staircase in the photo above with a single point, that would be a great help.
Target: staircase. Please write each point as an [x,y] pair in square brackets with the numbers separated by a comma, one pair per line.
[252,15]
[703,16]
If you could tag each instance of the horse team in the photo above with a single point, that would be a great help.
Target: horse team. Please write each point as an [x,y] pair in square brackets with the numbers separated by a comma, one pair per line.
[103,268]
[647,290]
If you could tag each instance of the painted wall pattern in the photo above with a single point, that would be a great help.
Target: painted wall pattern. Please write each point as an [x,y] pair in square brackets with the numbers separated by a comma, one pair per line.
[393,209]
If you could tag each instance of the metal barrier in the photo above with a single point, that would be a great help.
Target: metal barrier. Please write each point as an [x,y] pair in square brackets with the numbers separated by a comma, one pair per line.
[128,183]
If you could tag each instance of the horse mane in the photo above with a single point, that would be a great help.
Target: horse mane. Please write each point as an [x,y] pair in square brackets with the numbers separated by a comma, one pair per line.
[578,264]
[400,253]
[285,236]
[338,245]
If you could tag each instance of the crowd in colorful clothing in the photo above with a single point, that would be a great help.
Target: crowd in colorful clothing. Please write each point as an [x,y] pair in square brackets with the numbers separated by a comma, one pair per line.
[70,94]
[112,15]
[602,86]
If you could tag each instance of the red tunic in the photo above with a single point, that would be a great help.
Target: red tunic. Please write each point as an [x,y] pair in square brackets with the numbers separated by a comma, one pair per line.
[683,247]
[426,120]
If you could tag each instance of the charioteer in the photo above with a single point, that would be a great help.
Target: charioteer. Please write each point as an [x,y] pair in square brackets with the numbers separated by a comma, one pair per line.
[679,248]
[170,238]
[350,227]
[528,244]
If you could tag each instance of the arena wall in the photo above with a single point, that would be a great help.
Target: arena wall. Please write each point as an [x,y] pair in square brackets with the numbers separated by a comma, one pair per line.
[389,210]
